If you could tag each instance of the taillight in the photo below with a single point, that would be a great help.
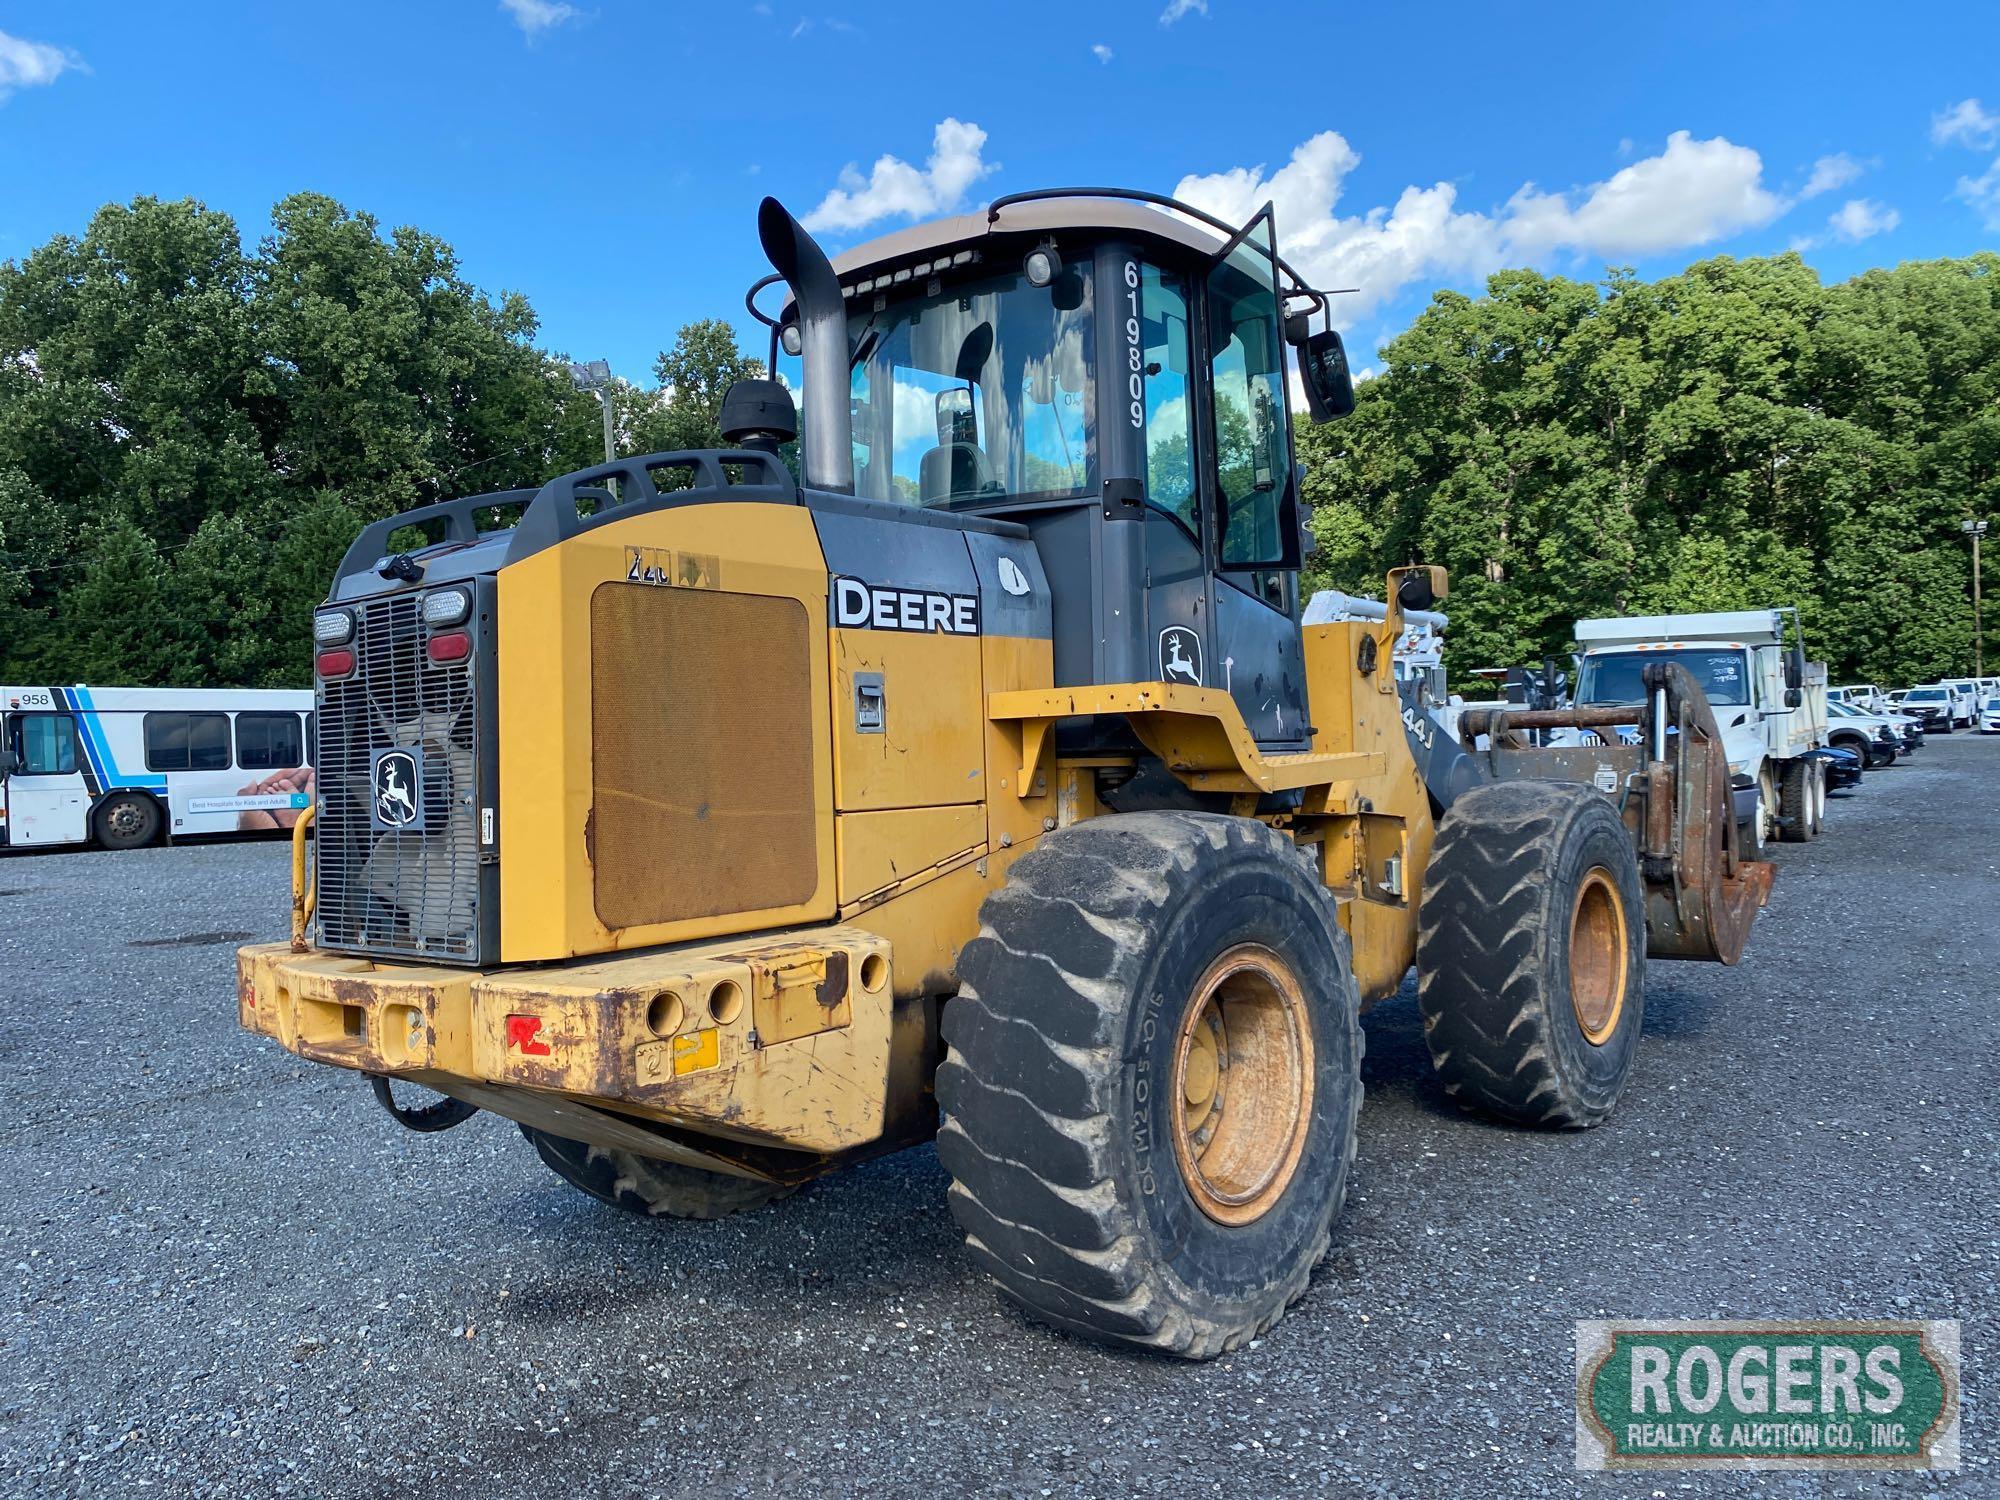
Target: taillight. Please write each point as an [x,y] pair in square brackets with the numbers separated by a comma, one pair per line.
[454,645]
[337,663]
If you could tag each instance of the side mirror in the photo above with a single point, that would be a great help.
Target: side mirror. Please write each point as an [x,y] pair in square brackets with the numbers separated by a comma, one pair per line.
[955,423]
[9,763]
[1795,672]
[1417,591]
[1793,697]
[1323,372]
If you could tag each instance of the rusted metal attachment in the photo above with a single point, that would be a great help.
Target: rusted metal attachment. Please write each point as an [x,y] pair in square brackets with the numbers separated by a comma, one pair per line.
[1672,791]
[305,887]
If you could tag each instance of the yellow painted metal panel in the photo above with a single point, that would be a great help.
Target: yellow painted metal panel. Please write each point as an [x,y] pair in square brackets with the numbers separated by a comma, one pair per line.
[879,849]
[928,752]
[544,719]
[1014,664]
[1198,732]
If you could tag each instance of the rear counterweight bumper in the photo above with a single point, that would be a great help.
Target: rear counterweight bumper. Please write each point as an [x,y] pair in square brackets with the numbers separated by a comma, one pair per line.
[778,1041]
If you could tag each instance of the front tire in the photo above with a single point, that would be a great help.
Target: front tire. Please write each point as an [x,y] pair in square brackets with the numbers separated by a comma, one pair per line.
[1152,1080]
[646,1185]
[126,820]
[1531,953]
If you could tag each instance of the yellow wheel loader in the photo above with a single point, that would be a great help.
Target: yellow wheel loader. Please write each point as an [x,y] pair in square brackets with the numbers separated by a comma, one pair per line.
[722,825]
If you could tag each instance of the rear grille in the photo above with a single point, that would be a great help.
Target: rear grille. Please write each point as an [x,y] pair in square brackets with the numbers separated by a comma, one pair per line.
[399,875]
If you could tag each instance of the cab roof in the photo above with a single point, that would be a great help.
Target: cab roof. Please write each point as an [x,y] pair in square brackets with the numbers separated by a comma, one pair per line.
[1105,216]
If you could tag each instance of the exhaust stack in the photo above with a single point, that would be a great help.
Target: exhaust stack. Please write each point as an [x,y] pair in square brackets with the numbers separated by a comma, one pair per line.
[828,447]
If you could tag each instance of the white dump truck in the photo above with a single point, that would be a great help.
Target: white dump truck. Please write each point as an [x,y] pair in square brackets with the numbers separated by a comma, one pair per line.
[1770,707]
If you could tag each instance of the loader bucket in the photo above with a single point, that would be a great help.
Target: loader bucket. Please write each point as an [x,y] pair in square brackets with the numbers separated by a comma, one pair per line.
[1672,791]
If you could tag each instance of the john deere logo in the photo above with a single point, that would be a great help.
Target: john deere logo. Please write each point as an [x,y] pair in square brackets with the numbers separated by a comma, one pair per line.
[398,787]
[1697,1395]
[1180,655]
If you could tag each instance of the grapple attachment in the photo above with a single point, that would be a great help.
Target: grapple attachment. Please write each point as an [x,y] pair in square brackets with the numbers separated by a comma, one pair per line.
[1672,791]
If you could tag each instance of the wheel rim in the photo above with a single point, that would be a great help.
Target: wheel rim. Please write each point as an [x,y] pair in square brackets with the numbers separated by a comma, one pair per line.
[125,819]
[1597,957]
[1243,1085]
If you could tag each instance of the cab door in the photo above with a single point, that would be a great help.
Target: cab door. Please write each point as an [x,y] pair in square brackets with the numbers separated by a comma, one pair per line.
[1257,657]
[47,801]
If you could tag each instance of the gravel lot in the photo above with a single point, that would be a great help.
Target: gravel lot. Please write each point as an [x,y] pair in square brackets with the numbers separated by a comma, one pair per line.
[233,1275]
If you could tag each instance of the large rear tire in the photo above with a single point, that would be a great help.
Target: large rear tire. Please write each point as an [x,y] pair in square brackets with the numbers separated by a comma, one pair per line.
[645,1185]
[1153,1078]
[1531,953]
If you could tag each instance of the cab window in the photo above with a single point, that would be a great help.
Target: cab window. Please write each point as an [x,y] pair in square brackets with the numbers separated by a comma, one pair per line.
[187,742]
[44,744]
[1156,387]
[1247,361]
[975,392]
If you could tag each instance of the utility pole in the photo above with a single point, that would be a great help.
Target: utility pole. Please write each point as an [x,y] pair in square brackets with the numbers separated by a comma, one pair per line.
[1976,530]
[596,377]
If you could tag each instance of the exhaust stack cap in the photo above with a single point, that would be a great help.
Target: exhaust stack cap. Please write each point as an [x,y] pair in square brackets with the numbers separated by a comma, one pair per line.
[827,451]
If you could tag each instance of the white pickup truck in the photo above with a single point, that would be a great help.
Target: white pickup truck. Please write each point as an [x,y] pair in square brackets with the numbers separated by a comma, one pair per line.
[1770,708]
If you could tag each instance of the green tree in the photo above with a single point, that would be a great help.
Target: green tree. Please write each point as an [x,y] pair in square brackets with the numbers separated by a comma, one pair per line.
[703,363]
[1735,435]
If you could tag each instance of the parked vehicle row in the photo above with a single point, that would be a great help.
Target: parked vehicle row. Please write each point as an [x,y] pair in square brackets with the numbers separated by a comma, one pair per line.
[1949,703]
[1790,738]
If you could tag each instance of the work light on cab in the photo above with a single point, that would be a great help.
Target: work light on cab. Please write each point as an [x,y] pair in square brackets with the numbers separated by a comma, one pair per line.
[333,627]
[446,607]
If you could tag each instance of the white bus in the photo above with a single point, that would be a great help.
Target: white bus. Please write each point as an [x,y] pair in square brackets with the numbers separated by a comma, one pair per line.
[121,767]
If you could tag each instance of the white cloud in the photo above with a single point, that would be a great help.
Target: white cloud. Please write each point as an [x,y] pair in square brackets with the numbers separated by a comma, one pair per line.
[25,64]
[1178,8]
[1983,193]
[1965,124]
[1862,218]
[536,16]
[1101,52]
[1831,172]
[893,187]
[1692,193]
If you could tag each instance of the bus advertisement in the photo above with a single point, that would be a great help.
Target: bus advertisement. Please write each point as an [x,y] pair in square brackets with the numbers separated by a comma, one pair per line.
[122,767]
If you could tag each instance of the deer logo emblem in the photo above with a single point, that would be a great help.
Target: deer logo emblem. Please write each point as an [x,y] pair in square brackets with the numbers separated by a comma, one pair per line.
[1180,655]
[395,786]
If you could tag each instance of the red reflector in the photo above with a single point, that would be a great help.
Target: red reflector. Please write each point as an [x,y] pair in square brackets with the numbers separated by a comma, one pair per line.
[335,663]
[452,647]
[521,1034]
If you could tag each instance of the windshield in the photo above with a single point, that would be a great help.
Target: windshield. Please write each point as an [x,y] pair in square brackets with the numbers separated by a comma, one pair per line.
[1924,695]
[1620,679]
[974,392]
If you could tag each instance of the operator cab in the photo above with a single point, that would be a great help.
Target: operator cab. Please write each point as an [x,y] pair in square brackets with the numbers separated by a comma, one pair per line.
[1109,369]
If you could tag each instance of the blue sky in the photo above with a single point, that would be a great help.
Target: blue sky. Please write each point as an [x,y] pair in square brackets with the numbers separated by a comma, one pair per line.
[606,157]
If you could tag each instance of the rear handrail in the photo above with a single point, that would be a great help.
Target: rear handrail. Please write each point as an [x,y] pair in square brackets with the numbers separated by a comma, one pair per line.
[305,887]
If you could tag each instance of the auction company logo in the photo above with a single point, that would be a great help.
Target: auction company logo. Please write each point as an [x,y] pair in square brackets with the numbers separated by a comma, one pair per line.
[1733,1395]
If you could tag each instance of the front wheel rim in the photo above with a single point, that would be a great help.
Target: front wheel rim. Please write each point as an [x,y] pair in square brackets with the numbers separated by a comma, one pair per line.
[125,820]
[1242,1085]
[1598,957]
